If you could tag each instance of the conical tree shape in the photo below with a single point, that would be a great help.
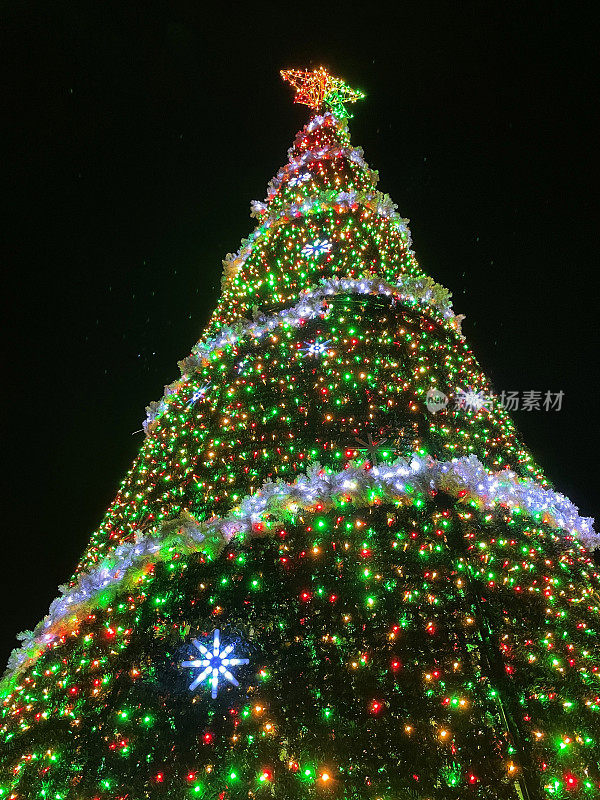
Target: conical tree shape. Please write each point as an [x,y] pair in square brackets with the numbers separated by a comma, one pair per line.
[309,584]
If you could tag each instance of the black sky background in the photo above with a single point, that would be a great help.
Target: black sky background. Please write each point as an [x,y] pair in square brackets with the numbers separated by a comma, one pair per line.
[136,135]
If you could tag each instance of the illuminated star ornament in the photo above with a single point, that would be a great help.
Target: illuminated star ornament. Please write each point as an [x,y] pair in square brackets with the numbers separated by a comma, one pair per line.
[214,665]
[317,88]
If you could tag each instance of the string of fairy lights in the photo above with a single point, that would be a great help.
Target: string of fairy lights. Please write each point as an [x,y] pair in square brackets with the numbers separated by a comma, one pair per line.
[464,479]
[322,647]
[246,288]
[397,386]
[335,561]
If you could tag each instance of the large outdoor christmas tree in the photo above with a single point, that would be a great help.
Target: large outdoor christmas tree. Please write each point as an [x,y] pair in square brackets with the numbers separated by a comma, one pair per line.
[332,571]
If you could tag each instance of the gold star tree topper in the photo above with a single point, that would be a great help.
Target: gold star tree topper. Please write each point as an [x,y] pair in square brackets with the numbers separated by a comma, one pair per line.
[317,88]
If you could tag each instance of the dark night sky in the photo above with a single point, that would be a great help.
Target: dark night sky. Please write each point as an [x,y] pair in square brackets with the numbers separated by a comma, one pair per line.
[135,143]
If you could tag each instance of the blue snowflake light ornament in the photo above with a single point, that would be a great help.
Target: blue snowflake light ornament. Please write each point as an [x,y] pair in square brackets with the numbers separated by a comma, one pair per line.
[214,665]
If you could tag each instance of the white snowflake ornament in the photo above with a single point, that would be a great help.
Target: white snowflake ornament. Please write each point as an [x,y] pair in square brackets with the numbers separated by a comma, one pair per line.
[317,247]
[214,665]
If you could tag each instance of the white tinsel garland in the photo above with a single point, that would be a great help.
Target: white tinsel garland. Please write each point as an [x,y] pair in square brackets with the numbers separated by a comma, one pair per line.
[342,201]
[295,165]
[464,478]
[422,291]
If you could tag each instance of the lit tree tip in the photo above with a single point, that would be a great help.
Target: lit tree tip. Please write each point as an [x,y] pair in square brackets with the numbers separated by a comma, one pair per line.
[318,89]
